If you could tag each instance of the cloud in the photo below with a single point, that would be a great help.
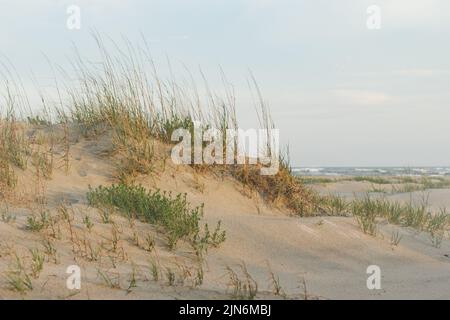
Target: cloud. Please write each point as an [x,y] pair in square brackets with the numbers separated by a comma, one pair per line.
[406,72]
[415,12]
[420,72]
[361,97]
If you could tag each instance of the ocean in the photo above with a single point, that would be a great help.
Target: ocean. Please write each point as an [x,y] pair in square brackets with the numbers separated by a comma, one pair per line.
[372,171]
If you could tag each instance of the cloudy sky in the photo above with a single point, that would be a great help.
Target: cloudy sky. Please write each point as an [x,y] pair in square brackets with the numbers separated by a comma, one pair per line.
[341,93]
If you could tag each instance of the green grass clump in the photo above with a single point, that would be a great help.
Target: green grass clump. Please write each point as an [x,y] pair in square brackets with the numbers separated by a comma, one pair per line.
[38,222]
[17,278]
[410,184]
[416,216]
[406,179]
[160,208]
[367,210]
[316,180]
[375,180]
[166,126]
[333,205]
[435,183]
[437,222]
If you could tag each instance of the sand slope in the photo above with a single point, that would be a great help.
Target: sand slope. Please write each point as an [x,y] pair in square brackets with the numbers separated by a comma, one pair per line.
[327,254]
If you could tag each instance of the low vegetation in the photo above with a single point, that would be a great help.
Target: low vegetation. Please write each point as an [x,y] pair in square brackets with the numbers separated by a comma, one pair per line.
[367,210]
[282,188]
[159,208]
[386,185]
[241,283]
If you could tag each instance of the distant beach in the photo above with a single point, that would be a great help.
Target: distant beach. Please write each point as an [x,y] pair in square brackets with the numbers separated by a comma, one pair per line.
[372,171]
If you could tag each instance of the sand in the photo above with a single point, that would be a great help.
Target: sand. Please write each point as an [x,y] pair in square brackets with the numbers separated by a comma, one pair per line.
[320,257]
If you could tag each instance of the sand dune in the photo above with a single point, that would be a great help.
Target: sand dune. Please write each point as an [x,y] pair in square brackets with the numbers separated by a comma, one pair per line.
[322,257]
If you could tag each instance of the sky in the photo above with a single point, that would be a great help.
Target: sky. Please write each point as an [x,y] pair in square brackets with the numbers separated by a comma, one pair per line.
[341,94]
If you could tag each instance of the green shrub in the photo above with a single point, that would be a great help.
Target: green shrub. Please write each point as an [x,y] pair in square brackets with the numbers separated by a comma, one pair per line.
[159,208]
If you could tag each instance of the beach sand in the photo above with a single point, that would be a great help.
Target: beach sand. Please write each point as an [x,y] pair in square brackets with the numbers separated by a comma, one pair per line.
[316,257]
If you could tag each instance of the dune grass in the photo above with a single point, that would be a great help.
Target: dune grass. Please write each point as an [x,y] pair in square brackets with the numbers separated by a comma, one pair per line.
[148,108]
[282,187]
[397,184]
[124,96]
[421,184]
[334,205]
[159,208]
[316,180]
[375,180]
[367,210]
[14,150]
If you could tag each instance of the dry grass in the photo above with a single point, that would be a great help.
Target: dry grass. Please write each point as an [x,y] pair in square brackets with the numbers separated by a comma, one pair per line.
[14,150]
[282,188]
[128,100]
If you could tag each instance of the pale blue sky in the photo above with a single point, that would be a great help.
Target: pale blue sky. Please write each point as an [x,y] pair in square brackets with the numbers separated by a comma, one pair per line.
[340,93]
